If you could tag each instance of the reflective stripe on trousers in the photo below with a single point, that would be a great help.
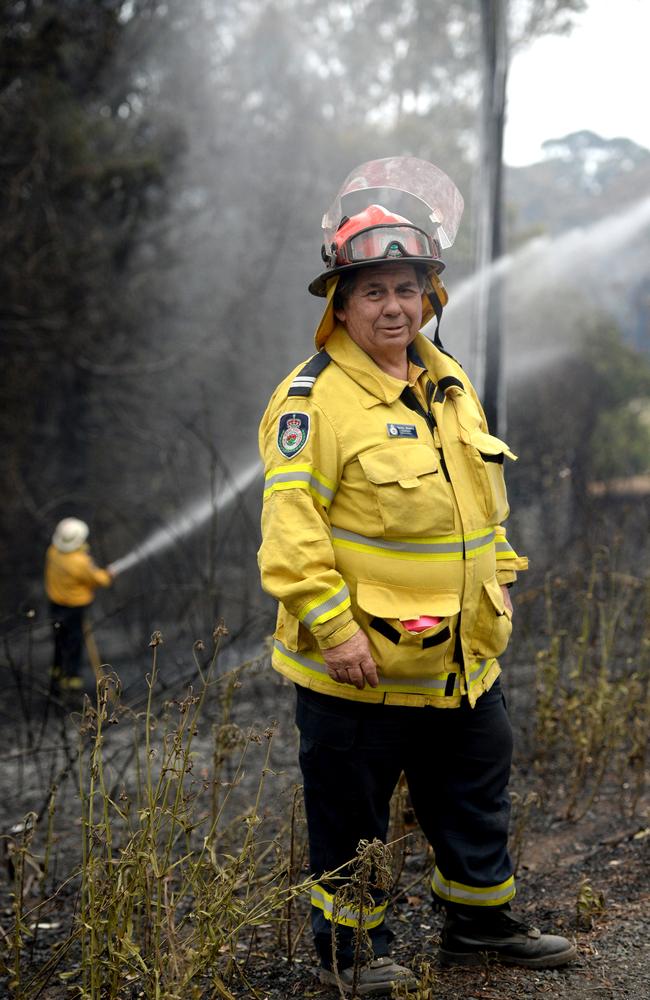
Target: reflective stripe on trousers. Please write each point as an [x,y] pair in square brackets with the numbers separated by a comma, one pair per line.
[468,895]
[347,916]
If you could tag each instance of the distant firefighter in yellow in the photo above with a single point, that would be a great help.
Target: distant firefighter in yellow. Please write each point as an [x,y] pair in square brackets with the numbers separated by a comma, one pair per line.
[71,579]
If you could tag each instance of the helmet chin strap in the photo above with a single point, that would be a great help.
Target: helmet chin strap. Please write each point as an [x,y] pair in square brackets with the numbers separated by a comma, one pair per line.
[437,308]
[438,298]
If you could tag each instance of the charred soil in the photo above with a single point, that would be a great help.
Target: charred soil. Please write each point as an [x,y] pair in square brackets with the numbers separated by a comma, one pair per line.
[588,879]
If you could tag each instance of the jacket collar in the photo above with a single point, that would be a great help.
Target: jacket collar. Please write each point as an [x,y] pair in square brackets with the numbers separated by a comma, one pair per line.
[382,387]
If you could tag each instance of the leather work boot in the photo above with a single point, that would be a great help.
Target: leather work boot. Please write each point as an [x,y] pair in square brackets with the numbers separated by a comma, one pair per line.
[378,977]
[471,940]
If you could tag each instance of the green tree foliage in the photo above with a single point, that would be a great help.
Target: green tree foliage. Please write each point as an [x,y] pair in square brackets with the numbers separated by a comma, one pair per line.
[619,443]
[579,422]
[77,178]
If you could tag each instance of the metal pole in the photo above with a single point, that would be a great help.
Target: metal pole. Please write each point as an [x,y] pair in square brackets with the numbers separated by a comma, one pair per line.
[490,231]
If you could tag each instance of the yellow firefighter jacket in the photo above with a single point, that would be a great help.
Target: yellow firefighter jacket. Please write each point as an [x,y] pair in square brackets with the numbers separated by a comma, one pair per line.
[375,513]
[71,578]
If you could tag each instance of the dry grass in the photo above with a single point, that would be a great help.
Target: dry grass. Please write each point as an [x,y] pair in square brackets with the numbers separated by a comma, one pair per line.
[175,876]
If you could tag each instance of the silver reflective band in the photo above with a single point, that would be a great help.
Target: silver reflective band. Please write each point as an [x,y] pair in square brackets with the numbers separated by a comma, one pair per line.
[434,684]
[345,914]
[342,596]
[299,477]
[456,893]
[397,546]
[457,546]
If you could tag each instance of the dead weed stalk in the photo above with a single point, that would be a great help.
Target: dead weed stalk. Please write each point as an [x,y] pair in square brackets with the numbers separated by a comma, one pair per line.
[171,887]
[593,688]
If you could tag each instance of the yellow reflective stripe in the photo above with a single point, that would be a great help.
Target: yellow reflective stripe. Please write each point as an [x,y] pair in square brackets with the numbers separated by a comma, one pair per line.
[313,663]
[332,603]
[504,549]
[302,477]
[445,548]
[346,915]
[480,671]
[477,542]
[456,892]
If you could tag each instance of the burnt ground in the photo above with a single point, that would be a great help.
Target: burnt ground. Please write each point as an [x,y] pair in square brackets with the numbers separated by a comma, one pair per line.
[606,847]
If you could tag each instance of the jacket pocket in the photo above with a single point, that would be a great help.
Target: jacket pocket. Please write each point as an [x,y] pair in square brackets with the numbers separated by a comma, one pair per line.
[492,452]
[398,652]
[485,458]
[493,625]
[411,492]
[291,633]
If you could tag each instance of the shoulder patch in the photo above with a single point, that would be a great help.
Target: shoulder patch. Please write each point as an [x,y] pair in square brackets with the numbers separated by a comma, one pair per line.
[293,433]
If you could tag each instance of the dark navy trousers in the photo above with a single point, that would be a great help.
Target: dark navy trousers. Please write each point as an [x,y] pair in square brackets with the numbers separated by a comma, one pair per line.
[457,766]
[67,630]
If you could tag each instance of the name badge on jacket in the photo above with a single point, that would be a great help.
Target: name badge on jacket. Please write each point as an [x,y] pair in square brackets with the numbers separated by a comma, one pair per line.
[402,430]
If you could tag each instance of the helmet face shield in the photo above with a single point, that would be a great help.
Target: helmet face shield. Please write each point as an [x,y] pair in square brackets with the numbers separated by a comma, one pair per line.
[384,243]
[406,186]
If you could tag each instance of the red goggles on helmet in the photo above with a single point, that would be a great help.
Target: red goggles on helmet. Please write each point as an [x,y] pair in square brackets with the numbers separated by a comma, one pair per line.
[384,242]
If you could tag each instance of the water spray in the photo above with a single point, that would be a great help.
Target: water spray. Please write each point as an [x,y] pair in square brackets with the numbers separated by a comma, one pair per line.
[580,256]
[573,248]
[536,264]
[192,518]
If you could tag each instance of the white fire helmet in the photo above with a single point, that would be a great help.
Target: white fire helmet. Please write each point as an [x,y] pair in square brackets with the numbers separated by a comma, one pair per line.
[70,534]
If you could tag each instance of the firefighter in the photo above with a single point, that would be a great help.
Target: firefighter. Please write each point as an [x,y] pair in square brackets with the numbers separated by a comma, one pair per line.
[383,542]
[71,579]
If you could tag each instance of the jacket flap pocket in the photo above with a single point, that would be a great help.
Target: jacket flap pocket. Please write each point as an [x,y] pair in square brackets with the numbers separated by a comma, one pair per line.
[287,629]
[493,590]
[389,601]
[487,443]
[398,463]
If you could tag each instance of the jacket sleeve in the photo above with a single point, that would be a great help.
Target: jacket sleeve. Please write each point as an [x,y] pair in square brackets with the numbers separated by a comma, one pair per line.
[92,575]
[296,558]
[508,561]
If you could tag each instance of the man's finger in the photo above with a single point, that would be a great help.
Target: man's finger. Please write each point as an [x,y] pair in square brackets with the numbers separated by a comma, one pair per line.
[369,670]
[355,675]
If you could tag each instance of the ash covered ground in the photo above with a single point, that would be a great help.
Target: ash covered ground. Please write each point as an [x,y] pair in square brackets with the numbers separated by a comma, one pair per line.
[607,847]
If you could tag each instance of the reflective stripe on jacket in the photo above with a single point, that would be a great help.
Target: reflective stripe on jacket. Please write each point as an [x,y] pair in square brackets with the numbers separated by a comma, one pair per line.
[378,517]
[71,578]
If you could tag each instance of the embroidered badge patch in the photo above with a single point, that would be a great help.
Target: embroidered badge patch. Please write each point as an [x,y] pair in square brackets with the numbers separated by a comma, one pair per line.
[402,430]
[293,433]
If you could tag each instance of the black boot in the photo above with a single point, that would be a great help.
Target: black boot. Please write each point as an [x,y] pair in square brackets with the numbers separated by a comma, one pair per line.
[472,939]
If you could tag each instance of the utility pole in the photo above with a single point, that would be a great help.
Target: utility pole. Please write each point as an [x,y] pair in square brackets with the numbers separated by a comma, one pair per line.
[494,47]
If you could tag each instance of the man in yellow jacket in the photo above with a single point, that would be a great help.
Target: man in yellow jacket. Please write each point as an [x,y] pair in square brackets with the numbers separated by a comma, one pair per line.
[71,579]
[383,542]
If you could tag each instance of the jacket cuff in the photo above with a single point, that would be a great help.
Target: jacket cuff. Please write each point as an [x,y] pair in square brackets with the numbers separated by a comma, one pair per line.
[335,631]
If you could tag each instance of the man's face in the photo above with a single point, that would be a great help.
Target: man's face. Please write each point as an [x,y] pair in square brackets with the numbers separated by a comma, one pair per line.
[383,312]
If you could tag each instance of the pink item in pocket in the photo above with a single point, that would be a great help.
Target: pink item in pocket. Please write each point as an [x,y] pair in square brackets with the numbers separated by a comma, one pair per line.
[420,624]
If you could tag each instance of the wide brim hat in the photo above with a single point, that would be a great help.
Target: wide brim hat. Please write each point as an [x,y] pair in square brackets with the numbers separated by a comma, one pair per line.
[70,534]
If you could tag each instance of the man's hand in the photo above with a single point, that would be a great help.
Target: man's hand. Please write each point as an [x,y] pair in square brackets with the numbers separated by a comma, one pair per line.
[506,599]
[351,662]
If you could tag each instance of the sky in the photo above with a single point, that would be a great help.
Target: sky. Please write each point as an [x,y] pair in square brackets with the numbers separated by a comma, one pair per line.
[596,78]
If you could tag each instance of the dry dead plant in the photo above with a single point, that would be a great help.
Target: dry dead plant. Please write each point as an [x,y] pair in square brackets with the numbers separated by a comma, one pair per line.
[593,689]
